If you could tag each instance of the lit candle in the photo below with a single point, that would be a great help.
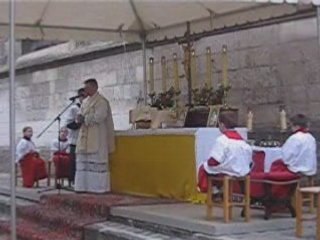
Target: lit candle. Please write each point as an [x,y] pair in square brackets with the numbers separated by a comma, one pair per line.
[250,121]
[176,73]
[209,68]
[283,120]
[151,73]
[224,66]
[193,70]
[164,74]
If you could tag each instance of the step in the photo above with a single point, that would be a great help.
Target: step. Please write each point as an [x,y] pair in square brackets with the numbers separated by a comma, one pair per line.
[117,231]
[5,203]
[27,230]
[57,217]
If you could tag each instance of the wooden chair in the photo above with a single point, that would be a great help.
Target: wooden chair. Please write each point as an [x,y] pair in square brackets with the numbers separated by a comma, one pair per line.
[308,197]
[314,191]
[228,204]
[56,180]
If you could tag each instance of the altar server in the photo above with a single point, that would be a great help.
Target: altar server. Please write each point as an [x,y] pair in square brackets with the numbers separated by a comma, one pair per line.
[61,156]
[230,154]
[299,150]
[32,166]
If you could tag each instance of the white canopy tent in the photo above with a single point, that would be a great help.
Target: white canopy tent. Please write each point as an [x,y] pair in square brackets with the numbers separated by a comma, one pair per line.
[132,19]
[126,20]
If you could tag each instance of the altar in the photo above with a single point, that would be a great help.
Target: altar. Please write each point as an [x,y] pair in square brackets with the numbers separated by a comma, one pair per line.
[162,162]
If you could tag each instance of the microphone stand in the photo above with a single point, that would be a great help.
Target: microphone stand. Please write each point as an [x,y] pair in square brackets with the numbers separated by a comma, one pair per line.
[58,184]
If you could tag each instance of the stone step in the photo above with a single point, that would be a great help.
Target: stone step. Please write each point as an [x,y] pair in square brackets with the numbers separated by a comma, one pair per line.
[27,230]
[117,231]
[5,203]
[121,231]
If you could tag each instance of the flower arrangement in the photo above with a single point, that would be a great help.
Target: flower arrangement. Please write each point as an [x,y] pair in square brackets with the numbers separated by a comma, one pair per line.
[164,100]
[208,96]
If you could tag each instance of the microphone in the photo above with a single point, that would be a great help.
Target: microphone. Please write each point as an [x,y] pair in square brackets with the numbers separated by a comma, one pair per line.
[74,97]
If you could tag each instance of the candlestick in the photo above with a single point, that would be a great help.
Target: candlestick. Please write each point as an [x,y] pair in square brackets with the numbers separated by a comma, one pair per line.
[283,120]
[176,73]
[224,66]
[164,74]
[193,70]
[209,68]
[250,121]
[151,75]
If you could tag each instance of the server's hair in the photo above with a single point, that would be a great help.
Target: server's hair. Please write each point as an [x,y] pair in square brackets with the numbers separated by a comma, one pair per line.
[227,118]
[26,129]
[300,120]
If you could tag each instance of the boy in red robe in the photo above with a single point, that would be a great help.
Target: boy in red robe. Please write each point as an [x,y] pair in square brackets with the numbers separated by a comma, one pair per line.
[61,156]
[32,166]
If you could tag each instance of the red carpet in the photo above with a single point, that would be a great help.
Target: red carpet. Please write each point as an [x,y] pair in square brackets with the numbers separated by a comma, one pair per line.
[65,216]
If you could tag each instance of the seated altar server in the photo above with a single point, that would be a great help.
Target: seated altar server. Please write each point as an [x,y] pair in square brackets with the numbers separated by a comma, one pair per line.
[230,155]
[299,152]
[32,166]
[61,156]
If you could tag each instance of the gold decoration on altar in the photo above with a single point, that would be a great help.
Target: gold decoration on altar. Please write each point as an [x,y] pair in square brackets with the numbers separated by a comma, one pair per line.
[209,68]
[225,81]
[151,75]
[224,67]
[194,80]
[176,73]
[164,74]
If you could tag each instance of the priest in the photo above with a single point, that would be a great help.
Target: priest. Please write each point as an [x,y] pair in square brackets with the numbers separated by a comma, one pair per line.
[95,142]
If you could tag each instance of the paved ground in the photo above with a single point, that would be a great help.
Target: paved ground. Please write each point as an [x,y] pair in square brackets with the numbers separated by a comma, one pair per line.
[191,217]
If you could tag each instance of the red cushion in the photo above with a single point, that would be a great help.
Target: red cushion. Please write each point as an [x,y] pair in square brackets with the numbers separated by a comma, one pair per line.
[258,161]
[281,176]
[258,175]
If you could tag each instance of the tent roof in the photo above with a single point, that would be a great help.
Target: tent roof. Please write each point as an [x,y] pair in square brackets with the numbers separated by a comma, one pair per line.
[128,19]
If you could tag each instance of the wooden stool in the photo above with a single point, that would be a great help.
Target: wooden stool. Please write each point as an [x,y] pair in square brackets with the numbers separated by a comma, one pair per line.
[49,174]
[56,180]
[299,204]
[309,197]
[227,204]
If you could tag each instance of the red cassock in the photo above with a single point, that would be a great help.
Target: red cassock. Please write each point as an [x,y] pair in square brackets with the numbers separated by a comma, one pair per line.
[62,164]
[33,168]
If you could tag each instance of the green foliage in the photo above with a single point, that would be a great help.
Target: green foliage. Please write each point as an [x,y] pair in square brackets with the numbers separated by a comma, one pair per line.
[164,100]
[208,96]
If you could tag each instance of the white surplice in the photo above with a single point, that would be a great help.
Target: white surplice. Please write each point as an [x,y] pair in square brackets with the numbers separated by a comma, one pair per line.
[234,157]
[23,148]
[299,152]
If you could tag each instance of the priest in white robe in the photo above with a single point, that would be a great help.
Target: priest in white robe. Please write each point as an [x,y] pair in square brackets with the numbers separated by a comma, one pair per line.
[299,152]
[95,142]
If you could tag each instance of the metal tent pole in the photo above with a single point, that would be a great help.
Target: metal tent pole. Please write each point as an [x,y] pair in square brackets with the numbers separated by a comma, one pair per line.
[12,120]
[318,24]
[145,82]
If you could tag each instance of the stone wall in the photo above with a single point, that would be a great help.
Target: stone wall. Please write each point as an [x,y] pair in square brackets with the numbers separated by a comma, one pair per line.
[268,67]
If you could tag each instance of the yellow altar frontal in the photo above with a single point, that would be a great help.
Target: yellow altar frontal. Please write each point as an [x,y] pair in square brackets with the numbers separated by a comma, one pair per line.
[161,162]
